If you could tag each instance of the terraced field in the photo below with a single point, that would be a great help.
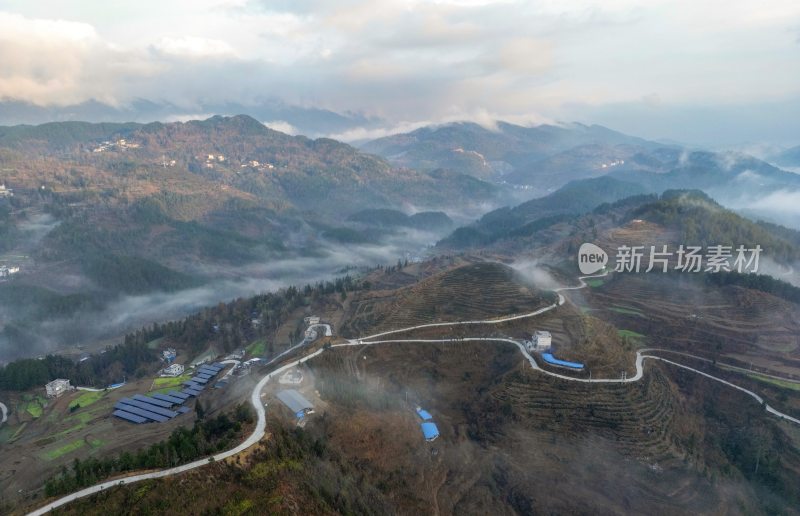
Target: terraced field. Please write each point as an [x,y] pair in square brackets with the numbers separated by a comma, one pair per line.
[638,417]
[480,290]
[685,315]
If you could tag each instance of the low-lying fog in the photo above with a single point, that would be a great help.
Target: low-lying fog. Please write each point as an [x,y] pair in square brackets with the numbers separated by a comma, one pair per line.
[131,312]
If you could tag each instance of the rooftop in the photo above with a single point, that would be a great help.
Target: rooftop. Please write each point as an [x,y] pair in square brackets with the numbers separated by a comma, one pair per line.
[295,401]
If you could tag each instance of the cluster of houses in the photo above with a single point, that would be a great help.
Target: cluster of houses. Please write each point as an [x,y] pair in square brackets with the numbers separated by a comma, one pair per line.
[214,158]
[120,144]
[256,164]
[614,163]
[5,192]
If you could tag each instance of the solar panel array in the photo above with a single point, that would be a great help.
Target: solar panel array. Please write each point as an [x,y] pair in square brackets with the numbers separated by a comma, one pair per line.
[162,407]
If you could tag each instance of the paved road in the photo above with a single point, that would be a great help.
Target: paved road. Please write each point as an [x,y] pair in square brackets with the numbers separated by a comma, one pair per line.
[640,358]
[255,397]
[498,320]
[258,433]
[4,410]
[328,333]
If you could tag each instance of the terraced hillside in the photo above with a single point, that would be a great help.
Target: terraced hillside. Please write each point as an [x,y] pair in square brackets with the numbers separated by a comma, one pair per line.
[680,314]
[476,291]
[515,441]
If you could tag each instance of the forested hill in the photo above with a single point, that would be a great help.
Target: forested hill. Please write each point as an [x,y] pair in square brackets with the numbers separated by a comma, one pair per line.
[575,198]
[702,221]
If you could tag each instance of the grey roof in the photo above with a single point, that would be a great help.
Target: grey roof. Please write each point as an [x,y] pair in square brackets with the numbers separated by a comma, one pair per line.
[294,400]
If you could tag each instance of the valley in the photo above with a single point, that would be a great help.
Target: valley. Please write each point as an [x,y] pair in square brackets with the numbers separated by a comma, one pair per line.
[380,375]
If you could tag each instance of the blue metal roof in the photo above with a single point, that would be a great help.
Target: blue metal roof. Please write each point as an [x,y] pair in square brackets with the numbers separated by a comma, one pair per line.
[550,359]
[133,418]
[429,430]
[423,414]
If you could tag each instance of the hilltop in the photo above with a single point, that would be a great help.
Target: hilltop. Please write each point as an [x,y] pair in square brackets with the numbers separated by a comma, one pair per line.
[102,211]
[545,156]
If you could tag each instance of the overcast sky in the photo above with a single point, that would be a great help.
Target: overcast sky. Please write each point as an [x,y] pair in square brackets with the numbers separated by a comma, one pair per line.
[703,71]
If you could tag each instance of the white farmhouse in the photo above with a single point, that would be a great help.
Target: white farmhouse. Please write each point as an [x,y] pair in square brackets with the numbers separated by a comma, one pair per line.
[173,370]
[541,341]
[57,387]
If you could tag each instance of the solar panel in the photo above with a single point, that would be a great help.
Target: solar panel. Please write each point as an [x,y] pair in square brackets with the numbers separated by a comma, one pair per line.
[193,392]
[184,410]
[146,406]
[133,418]
[194,385]
[168,398]
[152,401]
[211,370]
[197,379]
[141,412]
[204,376]
[218,365]
[178,394]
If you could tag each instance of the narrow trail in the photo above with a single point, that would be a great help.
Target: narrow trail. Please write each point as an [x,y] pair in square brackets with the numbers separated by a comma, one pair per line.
[255,397]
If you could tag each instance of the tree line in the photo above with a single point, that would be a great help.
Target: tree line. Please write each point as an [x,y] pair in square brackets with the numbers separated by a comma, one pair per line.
[182,446]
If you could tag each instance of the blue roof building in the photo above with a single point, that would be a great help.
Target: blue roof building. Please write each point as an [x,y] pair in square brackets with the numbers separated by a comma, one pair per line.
[424,414]
[429,430]
[550,359]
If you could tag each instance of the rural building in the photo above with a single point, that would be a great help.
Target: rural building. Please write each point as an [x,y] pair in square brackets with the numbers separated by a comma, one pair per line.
[550,359]
[169,355]
[5,192]
[173,370]
[311,319]
[423,414]
[541,341]
[429,430]
[57,387]
[295,401]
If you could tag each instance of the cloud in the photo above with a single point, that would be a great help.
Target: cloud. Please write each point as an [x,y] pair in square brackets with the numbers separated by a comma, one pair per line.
[414,60]
[194,47]
[282,126]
